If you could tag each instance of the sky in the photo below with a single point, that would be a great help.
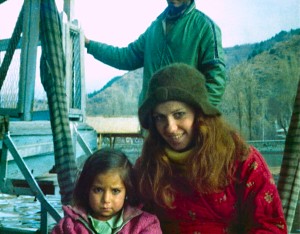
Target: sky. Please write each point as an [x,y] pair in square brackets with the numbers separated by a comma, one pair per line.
[119,22]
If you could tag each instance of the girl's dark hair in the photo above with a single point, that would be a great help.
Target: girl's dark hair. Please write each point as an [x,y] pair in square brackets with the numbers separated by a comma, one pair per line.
[101,161]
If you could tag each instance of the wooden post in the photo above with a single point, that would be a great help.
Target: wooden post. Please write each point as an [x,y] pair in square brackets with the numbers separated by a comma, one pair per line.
[69,9]
[31,19]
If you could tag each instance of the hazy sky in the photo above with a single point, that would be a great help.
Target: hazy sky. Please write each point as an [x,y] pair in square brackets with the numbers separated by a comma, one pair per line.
[118,22]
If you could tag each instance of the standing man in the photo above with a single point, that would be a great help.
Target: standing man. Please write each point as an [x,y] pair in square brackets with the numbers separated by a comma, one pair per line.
[181,33]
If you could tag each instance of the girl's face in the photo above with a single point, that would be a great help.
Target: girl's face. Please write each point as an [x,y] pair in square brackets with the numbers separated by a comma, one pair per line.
[107,195]
[174,122]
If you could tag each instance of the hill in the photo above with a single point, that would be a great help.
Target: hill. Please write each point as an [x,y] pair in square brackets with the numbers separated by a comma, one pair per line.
[261,90]
[118,98]
[241,53]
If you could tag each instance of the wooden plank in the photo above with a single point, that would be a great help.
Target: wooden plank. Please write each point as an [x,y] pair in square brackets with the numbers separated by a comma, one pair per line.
[30,128]
[39,149]
[47,185]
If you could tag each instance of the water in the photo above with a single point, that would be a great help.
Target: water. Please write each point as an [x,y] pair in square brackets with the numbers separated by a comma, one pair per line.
[24,212]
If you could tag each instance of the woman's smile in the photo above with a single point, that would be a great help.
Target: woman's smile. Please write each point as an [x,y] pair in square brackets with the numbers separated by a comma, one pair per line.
[174,122]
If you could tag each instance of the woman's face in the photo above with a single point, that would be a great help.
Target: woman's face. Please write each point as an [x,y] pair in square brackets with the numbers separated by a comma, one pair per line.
[107,195]
[174,122]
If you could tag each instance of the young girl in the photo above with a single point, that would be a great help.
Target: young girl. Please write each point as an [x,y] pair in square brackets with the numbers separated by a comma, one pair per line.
[105,199]
[196,173]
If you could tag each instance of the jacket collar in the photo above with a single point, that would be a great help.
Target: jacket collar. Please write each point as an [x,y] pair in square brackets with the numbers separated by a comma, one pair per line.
[81,215]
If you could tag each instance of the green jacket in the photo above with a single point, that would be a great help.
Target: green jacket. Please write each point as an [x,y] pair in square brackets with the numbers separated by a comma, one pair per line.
[193,39]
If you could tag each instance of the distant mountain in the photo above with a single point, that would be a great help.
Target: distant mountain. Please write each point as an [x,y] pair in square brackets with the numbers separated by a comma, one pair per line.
[118,98]
[268,67]
[241,53]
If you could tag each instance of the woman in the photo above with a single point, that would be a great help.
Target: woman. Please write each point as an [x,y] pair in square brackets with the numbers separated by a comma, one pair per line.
[195,172]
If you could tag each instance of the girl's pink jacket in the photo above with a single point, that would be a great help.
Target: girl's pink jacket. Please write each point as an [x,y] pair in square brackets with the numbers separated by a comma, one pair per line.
[136,221]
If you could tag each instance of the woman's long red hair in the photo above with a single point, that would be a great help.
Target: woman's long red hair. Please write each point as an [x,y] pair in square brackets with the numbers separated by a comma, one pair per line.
[208,169]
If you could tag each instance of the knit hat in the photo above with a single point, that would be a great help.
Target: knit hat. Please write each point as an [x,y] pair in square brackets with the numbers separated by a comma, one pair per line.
[176,82]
